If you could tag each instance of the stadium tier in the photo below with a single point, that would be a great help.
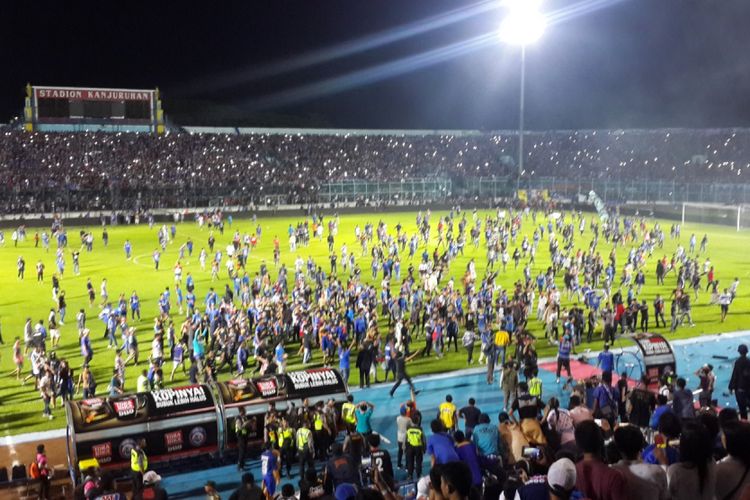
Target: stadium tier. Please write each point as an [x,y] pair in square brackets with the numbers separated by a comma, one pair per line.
[89,170]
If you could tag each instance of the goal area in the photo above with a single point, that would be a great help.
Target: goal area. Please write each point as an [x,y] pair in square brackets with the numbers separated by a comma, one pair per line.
[737,216]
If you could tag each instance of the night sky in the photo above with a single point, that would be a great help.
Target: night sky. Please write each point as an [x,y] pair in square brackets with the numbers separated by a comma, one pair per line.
[625,64]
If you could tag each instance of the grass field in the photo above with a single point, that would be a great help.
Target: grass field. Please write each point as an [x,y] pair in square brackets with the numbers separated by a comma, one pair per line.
[21,407]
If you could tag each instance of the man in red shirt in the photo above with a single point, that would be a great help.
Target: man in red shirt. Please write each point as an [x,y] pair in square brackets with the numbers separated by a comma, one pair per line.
[595,479]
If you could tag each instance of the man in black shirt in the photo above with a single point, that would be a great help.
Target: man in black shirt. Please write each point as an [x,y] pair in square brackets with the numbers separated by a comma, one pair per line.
[381,460]
[311,487]
[642,404]
[740,381]
[470,414]
[248,491]
[400,360]
[340,468]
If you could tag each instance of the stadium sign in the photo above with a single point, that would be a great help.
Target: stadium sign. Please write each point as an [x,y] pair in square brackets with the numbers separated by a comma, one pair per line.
[91,94]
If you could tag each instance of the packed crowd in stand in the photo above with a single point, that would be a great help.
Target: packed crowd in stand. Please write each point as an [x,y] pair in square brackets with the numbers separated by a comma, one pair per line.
[81,171]
[406,304]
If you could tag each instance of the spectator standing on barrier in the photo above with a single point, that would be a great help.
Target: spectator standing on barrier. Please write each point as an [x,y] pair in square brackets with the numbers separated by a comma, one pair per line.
[138,465]
[305,448]
[415,448]
[740,381]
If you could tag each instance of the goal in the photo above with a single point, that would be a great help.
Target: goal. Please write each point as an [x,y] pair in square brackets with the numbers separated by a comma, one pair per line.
[737,216]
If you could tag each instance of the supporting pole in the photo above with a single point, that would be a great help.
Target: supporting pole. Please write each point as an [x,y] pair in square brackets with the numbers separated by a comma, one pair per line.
[520,118]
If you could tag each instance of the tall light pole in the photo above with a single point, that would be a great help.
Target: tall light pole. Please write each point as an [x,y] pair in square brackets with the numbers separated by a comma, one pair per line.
[524,24]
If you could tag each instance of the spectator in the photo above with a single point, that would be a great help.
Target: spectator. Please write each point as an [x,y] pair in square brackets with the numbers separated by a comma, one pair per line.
[561,479]
[682,401]
[732,473]
[694,476]
[455,481]
[467,452]
[740,381]
[643,480]
[311,487]
[470,414]
[668,431]
[595,479]
[248,490]
[440,445]
[152,488]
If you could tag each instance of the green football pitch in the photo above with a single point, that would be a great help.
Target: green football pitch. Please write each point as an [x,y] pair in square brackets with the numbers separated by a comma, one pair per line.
[21,406]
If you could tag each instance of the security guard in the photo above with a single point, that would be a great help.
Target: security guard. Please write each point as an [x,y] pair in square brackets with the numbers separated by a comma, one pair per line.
[320,433]
[241,425]
[138,465]
[305,449]
[415,447]
[286,446]
[535,385]
[348,413]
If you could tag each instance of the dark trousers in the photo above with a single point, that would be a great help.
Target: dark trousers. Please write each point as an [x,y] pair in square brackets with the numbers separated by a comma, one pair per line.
[659,315]
[644,323]
[743,401]
[287,459]
[400,456]
[563,362]
[364,377]
[401,378]
[137,477]
[241,449]
[413,461]
[305,461]
[469,354]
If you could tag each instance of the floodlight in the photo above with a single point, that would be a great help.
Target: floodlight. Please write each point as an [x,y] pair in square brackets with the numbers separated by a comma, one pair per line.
[522,26]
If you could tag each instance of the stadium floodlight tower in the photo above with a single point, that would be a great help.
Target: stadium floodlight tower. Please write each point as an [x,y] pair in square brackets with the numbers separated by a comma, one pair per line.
[524,24]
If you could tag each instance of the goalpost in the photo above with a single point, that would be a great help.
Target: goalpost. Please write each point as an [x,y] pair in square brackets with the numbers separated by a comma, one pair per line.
[714,213]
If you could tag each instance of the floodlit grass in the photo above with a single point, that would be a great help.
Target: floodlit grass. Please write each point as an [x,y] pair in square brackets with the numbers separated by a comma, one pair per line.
[21,407]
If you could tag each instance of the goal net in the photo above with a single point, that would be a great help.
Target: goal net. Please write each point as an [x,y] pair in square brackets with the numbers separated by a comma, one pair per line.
[737,216]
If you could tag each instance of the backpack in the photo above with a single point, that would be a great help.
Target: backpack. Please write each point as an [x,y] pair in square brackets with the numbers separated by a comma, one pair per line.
[34,471]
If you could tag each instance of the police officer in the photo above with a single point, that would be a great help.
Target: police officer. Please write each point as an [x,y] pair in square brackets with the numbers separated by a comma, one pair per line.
[320,432]
[348,413]
[415,448]
[286,446]
[305,449]
[241,427]
[138,464]
[535,385]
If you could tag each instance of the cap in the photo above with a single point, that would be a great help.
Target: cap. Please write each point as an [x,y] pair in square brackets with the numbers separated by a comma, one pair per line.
[151,477]
[561,476]
[345,491]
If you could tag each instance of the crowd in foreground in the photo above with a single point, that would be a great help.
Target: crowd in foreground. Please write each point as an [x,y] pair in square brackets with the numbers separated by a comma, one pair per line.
[610,442]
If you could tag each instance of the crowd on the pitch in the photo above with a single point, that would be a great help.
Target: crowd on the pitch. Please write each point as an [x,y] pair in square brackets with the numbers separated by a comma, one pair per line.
[80,171]
[250,317]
